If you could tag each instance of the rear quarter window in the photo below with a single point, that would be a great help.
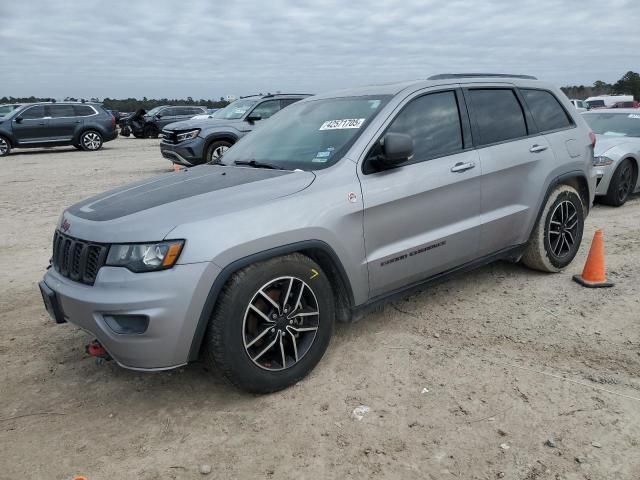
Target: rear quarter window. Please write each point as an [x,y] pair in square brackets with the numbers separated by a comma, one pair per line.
[546,110]
[83,110]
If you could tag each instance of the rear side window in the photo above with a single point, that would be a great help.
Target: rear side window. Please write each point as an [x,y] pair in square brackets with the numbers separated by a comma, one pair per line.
[498,115]
[433,121]
[33,112]
[83,110]
[546,110]
[61,111]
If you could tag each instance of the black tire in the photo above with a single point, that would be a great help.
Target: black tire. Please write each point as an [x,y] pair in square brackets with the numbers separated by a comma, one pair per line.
[91,141]
[215,150]
[549,248]
[151,131]
[622,184]
[138,134]
[125,131]
[230,342]
[78,146]
[5,147]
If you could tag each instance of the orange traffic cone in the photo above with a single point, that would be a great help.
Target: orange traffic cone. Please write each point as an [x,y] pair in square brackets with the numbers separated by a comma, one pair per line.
[594,275]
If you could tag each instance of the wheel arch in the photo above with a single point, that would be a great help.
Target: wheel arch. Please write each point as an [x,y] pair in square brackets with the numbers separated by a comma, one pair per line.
[87,128]
[319,251]
[218,136]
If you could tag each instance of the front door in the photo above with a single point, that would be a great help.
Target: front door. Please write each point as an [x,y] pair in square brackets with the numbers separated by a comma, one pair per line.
[422,218]
[30,125]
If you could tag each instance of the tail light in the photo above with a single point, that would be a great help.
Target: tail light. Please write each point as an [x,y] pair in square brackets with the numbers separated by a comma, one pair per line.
[592,137]
[113,122]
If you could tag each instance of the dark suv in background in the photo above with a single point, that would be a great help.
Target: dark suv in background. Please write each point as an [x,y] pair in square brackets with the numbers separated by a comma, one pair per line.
[86,126]
[193,142]
[159,117]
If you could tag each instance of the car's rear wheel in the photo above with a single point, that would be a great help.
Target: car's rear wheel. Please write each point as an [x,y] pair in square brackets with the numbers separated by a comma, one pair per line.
[151,131]
[216,149]
[272,323]
[91,141]
[622,184]
[5,146]
[557,236]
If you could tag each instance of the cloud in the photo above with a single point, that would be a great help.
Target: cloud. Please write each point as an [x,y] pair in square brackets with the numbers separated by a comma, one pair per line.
[208,49]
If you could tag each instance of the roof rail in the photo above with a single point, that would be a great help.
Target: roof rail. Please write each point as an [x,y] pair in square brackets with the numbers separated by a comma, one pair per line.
[446,76]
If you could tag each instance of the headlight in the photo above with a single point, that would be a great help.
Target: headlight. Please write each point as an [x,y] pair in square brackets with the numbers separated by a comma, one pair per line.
[601,161]
[145,257]
[181,137]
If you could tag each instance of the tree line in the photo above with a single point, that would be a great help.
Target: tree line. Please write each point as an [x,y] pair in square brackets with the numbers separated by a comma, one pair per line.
[126,104]
[629,84]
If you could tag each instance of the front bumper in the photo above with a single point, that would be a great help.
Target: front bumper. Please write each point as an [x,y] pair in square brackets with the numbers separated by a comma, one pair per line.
[187,153]
[172,300]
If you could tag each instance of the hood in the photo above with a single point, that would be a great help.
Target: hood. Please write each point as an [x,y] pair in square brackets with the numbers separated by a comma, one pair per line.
[604,143]
[205,123]
[149,209]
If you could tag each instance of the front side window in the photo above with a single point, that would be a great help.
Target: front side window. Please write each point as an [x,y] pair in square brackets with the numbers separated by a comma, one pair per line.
[266,109]
[498,115]
[433,121]
[33,112]
[310,135]
[61,111]
[235,110]
[546,110]
[614,124]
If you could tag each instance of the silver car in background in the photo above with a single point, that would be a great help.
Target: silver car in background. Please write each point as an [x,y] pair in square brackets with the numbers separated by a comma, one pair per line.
[617,153]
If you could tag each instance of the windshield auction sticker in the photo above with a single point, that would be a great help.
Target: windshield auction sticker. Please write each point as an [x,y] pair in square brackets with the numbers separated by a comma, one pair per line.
[342,124]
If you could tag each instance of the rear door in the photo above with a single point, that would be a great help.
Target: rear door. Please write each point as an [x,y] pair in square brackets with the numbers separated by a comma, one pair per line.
[515,160]
[31,125]
[422,218]
[63,122]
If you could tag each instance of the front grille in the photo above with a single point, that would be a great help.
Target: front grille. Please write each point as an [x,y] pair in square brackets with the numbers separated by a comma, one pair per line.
[77,259]
[169,136]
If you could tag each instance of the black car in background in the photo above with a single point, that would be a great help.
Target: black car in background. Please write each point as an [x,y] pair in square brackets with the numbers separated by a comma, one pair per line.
[149,124]
[86,126]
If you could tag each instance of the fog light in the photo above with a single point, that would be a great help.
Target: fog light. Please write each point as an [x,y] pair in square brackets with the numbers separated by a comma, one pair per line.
[127,324]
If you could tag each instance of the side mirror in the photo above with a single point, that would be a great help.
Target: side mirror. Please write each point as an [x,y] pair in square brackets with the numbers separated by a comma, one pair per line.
[397,148]
[254,117]
[18,119]
[158,115]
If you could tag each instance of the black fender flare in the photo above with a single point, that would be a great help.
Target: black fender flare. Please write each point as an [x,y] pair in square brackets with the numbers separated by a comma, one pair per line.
[230,269]
[214,137]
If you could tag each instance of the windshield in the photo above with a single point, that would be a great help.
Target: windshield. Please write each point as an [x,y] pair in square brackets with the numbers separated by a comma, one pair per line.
[614,124]
[235,110]
[310,135]
[7,109]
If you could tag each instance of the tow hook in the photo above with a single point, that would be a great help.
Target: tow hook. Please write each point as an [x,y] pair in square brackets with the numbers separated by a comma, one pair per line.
[95,349]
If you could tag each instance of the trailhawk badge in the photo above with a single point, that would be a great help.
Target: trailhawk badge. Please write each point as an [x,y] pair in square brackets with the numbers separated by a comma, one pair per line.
[65,225]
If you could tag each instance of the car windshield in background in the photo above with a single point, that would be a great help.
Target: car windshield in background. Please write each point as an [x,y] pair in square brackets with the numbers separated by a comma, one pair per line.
[7,109]
[614,124]
[310,135]
[235,110]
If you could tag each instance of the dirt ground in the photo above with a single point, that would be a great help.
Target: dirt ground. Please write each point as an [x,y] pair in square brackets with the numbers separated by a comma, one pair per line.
[499,373]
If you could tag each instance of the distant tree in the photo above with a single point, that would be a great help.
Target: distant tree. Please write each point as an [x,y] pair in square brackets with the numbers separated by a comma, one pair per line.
[628,84]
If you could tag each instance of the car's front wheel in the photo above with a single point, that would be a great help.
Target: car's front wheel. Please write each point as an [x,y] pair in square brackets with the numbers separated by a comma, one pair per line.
[622,184]
[272,323]
[215,150]
[91,141]
[557,235]
[5,147]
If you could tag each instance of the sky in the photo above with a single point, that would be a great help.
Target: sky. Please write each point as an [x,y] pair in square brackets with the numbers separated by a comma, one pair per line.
[209,49]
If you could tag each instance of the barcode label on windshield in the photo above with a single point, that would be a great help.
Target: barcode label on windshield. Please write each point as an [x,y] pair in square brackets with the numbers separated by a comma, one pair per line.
[341,124]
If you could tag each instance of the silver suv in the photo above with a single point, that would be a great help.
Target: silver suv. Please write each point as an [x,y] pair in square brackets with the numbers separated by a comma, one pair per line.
[340,202]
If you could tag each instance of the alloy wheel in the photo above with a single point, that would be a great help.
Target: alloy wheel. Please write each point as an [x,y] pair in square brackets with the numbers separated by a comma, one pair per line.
[4,146]
[280,323]
[625,184]
[563,229]
[91,141]
[218,152]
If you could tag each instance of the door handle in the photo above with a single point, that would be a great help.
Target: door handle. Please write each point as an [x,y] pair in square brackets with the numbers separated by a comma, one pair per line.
[538,148]
[42,123]
[462,167]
